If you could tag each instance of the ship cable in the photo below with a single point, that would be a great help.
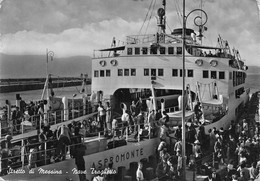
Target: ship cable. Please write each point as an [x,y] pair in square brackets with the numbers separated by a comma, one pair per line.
[146,16]
[178,11]
[150,16]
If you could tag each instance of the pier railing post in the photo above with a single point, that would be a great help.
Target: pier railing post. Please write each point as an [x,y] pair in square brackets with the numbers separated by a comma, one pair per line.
[138,133]
[126,133]
[55,117]
[149,128]
[45,152]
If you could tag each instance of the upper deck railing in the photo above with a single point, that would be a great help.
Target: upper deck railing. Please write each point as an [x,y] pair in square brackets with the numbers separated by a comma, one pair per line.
[141,39]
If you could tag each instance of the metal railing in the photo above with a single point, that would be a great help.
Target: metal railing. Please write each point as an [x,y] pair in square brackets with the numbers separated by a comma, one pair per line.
[25,124]
[18,156]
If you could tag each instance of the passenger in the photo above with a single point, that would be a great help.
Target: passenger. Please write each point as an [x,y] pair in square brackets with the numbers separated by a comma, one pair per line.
[253,171]
[198,156]
[178,146]
[151,123]
[115,131]
[139,172]
[218,150]
[172,173]
[141,106]
[63,141]
[17,119]
[164,133]
[197,111]
[101,116]
[32,158]
[215,176]
[179,163]
[4,161]
[108,116]
[140,123]
[133,109]
[245,127]
[162,168]
[178,133]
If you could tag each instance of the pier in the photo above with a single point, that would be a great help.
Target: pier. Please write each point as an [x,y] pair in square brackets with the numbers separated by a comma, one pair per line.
[25,84]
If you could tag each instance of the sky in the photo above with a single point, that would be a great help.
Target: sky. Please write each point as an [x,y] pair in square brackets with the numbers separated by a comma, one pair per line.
[77,27]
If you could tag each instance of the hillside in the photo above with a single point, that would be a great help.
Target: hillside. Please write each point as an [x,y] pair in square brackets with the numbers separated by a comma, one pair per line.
[29,66]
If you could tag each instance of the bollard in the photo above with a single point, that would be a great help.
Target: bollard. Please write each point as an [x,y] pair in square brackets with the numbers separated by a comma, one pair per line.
[149,173]
[144,161]
[133,168]
[121,173]
[127,178]
[152,162]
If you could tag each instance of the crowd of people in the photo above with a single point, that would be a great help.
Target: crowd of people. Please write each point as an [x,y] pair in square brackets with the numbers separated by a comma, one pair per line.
[237,148]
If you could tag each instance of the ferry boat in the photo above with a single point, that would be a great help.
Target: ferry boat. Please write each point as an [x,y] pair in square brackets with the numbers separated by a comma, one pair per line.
[150,67]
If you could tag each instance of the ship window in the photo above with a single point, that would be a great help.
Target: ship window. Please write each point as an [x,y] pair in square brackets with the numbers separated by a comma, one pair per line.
[107,73]
[174,72]
[96,73]
[102,73]
[160,72]
[120,72]
[190,73]
[181,73]
[230,75]
[170,50]
[179,50]
[205,74]
[153,72]
[162,50]
[213,75]
[146,72]
[153,50]
[129,51]
[126,72]
[133,72]
[144,50]
[137,51]
[221,75]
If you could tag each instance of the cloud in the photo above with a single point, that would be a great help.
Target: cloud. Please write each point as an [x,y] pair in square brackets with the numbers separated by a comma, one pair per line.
[78,27]
[70,42]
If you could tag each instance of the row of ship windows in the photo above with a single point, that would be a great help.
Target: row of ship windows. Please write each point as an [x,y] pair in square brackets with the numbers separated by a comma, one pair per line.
[160,72]
[153,50]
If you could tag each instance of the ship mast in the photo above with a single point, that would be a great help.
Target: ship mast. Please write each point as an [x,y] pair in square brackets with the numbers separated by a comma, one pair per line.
[161,23]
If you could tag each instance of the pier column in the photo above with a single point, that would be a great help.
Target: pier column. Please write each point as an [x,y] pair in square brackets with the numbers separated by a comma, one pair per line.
[17,100]
[66,108]
[85,101]
[121,173]
[9,120]
[45,116]
[133,168]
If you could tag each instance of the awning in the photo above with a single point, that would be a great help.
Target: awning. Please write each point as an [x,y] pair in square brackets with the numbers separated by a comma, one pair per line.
[113,49]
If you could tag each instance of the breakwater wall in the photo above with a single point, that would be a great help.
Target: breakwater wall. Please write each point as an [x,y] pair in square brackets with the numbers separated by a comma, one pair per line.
[17,85]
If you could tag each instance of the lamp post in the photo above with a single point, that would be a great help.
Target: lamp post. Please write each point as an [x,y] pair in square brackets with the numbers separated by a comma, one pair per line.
[49,55]
[201,26]
[72,106]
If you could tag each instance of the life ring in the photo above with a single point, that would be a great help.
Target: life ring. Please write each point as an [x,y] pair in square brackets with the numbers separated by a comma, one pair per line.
[113,62]
[213,63]
[102,63]
[199,62]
